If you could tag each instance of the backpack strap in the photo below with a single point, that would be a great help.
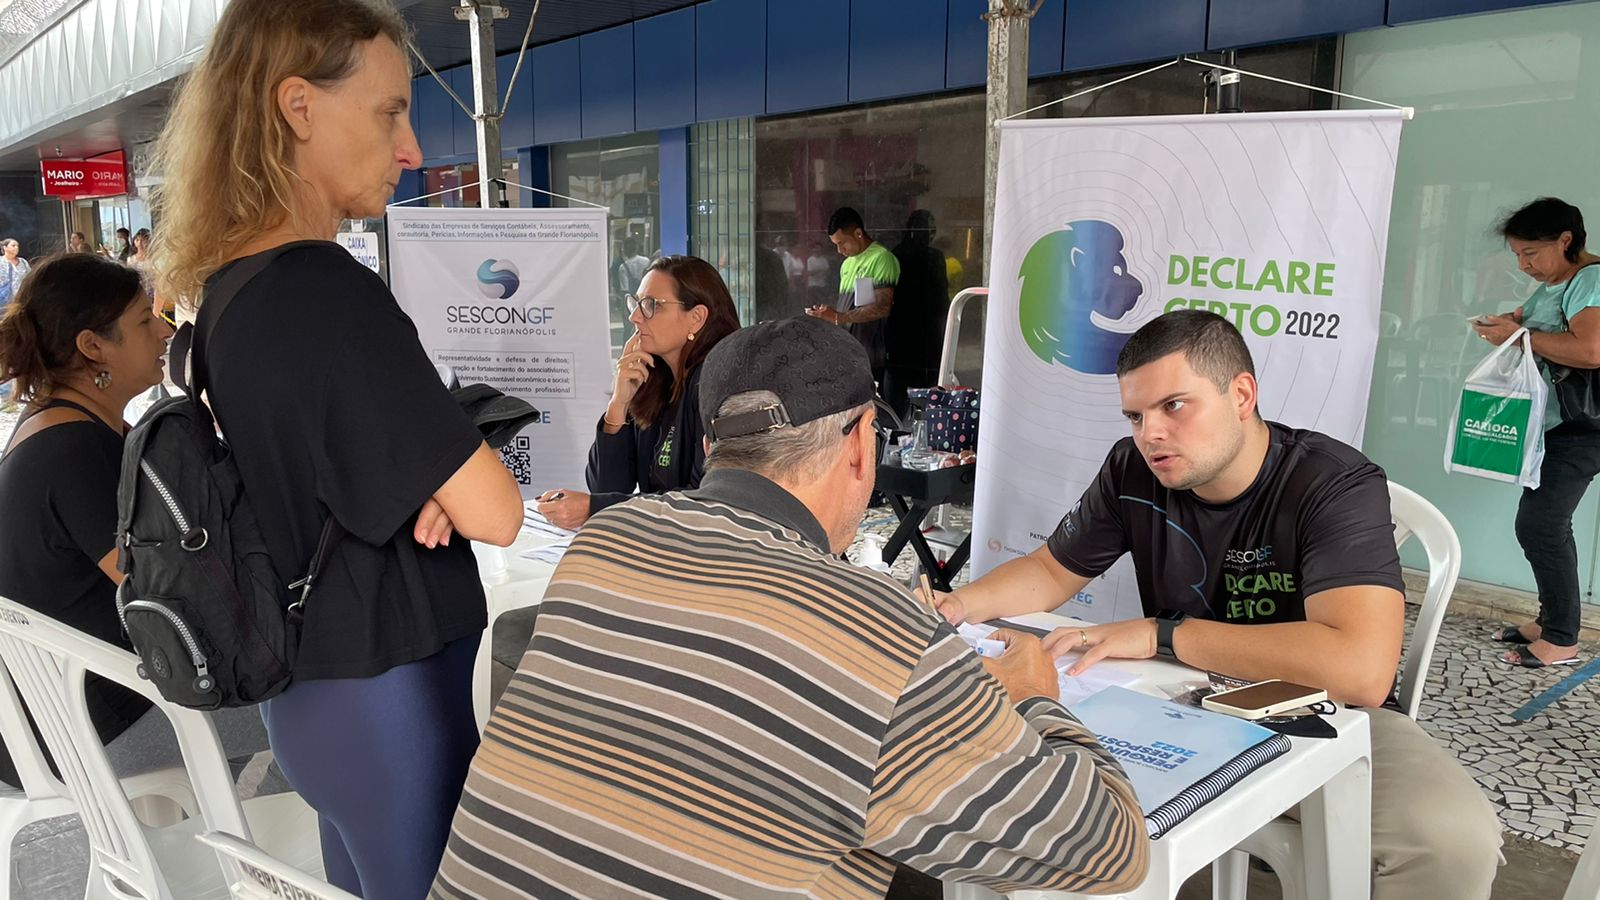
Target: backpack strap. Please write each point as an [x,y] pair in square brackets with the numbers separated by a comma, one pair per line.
[186,359]
[332,534]
[189,347]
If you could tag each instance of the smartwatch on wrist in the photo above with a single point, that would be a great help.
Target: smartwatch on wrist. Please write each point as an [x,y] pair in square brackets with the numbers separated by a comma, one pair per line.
[1166,624]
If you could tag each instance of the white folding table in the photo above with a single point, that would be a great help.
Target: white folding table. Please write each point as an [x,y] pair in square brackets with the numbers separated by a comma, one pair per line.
[1329,778]
[509,582]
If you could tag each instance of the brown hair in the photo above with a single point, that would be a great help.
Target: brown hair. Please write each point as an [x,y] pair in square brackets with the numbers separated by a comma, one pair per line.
[61,298]
[1211,345]
[227,137]
[698,285]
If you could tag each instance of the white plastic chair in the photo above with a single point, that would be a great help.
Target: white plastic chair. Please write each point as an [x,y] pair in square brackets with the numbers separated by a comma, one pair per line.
[255,875]
[1585,883]
[1278,844]
[504,591]
[127,861]
[159,798]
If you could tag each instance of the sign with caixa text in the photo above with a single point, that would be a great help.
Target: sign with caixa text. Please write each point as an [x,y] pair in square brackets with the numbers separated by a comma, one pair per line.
[516,299]
[77,178]
[1278,222]
[363,245]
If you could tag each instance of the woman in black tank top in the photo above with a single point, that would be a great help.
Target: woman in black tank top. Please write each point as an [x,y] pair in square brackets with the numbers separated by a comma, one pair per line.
[80,341]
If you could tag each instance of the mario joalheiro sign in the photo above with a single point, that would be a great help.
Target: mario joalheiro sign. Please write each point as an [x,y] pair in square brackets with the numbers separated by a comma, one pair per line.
[1278,222]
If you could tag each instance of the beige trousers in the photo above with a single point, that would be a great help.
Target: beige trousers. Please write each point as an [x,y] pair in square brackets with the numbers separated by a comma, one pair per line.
[1434,833]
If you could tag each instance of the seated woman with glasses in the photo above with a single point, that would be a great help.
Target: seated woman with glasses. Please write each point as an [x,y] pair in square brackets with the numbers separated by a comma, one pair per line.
[650,438]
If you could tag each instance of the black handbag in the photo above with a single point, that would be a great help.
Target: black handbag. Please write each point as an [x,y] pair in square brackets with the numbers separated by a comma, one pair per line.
[1576,391]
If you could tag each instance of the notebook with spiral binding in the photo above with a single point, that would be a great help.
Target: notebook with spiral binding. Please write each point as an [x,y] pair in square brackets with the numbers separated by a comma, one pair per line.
[1179,758]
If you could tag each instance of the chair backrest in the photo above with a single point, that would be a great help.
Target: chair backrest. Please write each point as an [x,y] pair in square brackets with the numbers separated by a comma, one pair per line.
[1415,517]
[33,769]
[263,877]
[48,661]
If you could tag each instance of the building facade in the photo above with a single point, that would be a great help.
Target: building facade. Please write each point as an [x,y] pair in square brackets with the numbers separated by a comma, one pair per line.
[731,129]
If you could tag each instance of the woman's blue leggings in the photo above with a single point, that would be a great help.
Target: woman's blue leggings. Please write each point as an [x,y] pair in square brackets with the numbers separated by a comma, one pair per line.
[382,761]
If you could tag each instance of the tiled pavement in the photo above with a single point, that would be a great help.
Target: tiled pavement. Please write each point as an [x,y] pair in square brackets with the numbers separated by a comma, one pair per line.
[1540,773]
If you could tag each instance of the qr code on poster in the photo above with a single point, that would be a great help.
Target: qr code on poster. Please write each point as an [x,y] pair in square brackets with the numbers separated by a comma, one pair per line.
[518,457]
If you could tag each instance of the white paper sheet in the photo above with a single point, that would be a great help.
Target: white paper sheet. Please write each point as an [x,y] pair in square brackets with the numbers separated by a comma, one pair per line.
[554,538]
[548,553]
[865,294]
[535,523]
[1074,688]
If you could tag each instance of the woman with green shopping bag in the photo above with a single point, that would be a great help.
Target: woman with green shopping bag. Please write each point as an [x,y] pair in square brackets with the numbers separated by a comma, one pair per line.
[1547,237]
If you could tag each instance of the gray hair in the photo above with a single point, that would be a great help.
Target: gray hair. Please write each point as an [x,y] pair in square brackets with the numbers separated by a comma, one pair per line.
[791,453]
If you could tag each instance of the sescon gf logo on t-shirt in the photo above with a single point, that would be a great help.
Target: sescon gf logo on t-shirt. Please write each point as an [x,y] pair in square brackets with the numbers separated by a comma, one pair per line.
[1252,585]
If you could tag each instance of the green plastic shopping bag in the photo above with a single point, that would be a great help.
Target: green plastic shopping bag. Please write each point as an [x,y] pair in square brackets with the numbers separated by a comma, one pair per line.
[1498,428]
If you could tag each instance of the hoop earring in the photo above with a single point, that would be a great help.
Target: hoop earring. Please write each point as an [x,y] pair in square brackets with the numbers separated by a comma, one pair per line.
[102,380]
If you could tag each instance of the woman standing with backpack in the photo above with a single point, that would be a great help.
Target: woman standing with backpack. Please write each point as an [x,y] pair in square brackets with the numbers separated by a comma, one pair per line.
[296,119]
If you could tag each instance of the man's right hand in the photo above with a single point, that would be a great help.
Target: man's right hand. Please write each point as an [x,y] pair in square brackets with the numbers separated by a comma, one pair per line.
[1024,669]
[947,605]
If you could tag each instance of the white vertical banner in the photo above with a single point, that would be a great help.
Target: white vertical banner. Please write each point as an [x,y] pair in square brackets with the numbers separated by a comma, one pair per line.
[1277,221]
[516,299]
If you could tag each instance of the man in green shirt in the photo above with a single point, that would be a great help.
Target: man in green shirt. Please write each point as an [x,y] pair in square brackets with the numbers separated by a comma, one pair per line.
[865,260]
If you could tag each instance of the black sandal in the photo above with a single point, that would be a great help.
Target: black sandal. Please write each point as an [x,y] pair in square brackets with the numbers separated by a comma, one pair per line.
[1529,661]
[1511,634]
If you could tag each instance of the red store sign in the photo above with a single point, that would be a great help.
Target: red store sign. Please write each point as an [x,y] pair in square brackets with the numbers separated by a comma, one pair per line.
[74,178]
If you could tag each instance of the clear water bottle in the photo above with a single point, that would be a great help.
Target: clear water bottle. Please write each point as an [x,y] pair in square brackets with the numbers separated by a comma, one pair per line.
[918,457]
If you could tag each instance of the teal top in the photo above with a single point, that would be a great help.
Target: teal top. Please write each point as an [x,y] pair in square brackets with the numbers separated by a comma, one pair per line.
[1551,306]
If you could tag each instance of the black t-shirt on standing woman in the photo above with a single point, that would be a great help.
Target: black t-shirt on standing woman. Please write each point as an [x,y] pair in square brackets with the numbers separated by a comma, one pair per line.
[331,405]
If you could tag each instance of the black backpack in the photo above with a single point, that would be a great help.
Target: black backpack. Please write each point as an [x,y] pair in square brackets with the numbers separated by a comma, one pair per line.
[201,601]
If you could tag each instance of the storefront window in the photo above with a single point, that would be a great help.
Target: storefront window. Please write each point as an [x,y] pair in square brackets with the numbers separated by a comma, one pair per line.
[1505,114]
[893,160]
[886,161]
[100,219]
[721,202]
[623,174]
[456,186]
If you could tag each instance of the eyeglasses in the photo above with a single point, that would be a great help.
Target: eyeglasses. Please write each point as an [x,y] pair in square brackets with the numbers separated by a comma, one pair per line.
[647,305]
[854,422]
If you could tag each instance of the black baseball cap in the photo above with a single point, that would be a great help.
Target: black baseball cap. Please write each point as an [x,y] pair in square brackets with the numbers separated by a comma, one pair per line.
[816,369]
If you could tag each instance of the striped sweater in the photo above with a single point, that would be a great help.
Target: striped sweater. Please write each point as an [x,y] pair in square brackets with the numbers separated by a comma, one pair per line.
[713,706]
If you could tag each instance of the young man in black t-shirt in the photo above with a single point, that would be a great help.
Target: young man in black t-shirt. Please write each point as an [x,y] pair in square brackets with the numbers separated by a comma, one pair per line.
[1261,552]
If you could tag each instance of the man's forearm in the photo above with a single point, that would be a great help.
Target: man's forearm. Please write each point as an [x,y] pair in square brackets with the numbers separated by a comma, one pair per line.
[1346,665]
[1021,586]
[878,310]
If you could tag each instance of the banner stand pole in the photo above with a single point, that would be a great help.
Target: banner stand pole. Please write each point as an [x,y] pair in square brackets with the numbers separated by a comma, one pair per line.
[1408,112]
[504,183]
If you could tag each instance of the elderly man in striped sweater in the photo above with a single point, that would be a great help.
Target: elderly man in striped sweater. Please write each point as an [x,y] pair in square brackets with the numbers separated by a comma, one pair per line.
[714,705]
